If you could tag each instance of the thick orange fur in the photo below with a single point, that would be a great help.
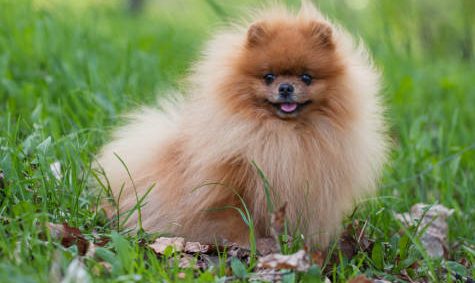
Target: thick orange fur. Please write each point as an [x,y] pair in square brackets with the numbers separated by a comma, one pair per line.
[198,150]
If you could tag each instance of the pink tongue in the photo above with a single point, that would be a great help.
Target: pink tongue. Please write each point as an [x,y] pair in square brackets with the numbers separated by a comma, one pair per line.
[288,107]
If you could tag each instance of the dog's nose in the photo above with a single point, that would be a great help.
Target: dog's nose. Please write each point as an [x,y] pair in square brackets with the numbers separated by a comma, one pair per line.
[286,89]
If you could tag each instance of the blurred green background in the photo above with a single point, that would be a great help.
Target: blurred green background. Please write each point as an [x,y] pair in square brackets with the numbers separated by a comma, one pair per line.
[69,69]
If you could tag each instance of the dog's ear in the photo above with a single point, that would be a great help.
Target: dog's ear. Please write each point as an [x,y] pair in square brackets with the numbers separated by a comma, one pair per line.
[322,34]
[256,34]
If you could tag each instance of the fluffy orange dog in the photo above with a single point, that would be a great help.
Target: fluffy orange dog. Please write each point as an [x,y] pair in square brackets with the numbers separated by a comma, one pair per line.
[291,92]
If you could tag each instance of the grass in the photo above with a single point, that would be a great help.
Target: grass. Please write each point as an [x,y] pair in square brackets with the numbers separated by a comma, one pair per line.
[68,70]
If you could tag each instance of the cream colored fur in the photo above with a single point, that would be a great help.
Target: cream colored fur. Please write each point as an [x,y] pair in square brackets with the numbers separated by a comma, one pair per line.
[320,170]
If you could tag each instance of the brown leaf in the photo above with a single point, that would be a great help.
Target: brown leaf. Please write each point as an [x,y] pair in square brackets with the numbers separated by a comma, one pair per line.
[360,279]
[69,236]
[353,239]
[186,261]
[298,261]
[432,219]
[465,262]
[102,241]
[196,247]
[189,261]
[266,246]
[160,244]
[266,275]
[2,180]
[238,252]
[318,258]
[348,242]
[204,261]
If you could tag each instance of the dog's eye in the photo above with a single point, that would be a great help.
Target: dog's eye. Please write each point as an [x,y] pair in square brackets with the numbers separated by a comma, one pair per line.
[306,79]
[269,78]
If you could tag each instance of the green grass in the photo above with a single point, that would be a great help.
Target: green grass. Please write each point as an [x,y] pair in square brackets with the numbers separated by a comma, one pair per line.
[67,72]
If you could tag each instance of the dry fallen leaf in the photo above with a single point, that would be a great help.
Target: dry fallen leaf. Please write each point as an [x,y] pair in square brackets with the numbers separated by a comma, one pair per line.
[160,244]
[267,246]
[363,279]
[318,258]
[2,180]
[101,241]
[69,236]
[347,245]
[72,236]
[433,224]
[298,261]
[352,239]
[360,279]
[196,247]
[238,252]
[186,261]
[266,275]
[465,262]
[200,262]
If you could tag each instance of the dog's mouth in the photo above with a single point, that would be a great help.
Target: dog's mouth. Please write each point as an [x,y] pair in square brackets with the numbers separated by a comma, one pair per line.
[289,108]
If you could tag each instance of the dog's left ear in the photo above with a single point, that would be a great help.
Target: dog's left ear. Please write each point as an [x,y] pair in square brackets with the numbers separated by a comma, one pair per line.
[322,34]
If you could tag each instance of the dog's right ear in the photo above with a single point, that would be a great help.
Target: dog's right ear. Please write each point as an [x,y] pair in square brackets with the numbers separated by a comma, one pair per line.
[256,34]
[322,34]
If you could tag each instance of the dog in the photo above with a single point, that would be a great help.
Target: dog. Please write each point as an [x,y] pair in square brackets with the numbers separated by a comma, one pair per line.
[285,108]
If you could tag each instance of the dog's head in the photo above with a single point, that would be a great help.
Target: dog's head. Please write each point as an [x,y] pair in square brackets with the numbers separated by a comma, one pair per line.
[286,67]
